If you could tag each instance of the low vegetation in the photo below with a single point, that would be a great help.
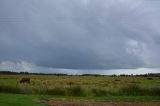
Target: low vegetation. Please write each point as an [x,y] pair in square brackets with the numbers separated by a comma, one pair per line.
[8,99]
[81,85]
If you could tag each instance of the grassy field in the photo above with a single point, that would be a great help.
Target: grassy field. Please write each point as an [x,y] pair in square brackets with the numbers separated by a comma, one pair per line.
[81,85]
[13,93]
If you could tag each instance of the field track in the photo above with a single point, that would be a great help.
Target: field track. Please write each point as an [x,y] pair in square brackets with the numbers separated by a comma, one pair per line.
[53,102]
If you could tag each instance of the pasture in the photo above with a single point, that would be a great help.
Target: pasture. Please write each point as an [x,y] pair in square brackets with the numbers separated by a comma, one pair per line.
[83,87]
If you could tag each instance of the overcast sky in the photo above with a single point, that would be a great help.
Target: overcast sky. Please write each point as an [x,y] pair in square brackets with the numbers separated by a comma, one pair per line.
[80,34]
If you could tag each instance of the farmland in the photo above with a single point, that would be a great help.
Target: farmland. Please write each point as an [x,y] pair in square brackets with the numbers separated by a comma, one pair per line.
[84,87]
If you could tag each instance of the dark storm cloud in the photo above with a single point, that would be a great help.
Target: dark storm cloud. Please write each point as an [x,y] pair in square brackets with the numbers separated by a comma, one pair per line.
[81,34]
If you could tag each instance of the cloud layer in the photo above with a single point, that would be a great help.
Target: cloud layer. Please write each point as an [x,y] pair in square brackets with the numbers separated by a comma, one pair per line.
[27,67]
[81,34]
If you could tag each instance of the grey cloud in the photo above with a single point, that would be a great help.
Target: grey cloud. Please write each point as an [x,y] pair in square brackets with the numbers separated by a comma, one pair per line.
[81,34]
[24,66]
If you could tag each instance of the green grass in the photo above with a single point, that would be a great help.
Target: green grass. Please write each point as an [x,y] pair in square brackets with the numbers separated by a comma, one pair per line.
[124,98]
[7,99]
[114,98]
[20,100]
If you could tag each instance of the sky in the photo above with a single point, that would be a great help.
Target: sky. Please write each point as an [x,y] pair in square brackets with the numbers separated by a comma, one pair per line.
[80,36]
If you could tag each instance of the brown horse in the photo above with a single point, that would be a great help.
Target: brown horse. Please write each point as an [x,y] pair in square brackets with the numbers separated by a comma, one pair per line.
[149,78]
[25,80]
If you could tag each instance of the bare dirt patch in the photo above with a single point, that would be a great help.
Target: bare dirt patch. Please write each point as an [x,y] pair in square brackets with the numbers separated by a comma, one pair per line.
[55,102]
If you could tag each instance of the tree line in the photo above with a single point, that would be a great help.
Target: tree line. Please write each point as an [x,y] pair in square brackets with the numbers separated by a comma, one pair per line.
[96,75]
